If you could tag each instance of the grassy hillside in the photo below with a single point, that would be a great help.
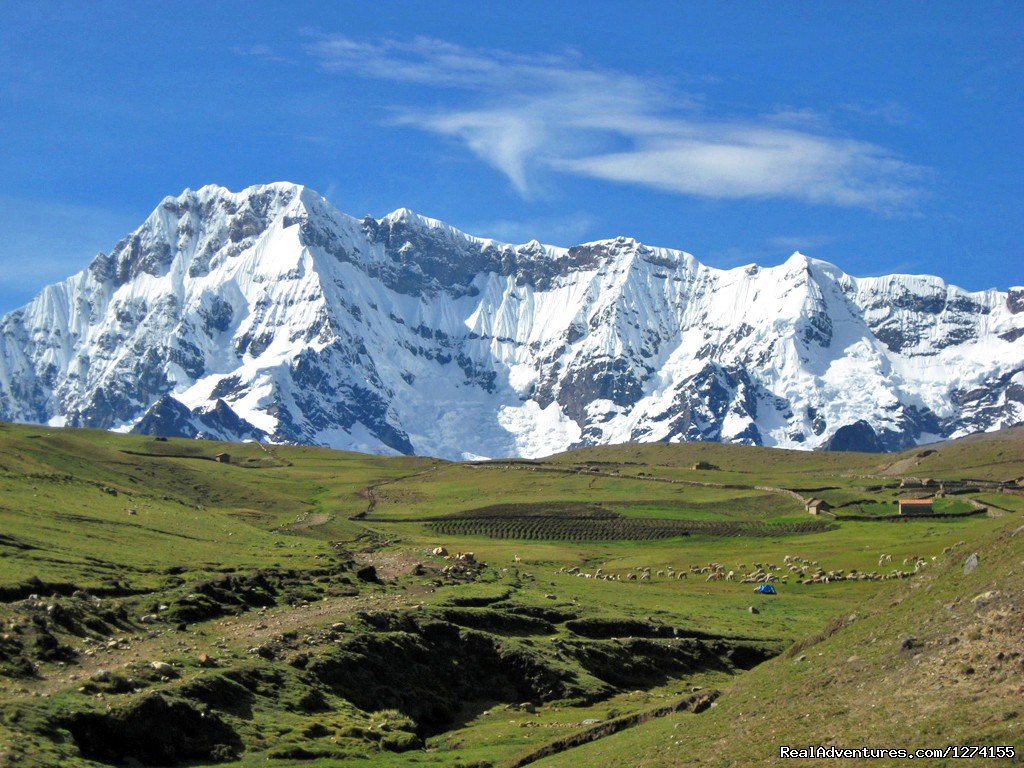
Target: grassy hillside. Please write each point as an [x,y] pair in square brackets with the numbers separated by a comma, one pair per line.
[939,663]
[296,599]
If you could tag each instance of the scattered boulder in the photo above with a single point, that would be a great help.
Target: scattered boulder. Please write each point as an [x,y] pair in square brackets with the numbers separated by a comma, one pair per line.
[163,668]
[753,609]
[985,597]
[971,563]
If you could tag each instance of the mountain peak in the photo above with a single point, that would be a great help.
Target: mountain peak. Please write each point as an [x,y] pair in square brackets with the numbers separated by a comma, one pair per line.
[218,190]
[401,214]
[267,313]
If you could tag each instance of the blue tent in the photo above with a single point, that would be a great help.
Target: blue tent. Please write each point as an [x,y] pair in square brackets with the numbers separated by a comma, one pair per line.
[766,589]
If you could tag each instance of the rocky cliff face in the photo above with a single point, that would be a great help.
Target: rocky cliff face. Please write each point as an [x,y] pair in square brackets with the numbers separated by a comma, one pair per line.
[267,314]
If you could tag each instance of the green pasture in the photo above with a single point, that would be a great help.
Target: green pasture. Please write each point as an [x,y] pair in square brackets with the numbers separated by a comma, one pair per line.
[145,520]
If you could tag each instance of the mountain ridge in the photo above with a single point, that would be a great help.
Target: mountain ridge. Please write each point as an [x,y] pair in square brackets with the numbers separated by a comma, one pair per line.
[269,314]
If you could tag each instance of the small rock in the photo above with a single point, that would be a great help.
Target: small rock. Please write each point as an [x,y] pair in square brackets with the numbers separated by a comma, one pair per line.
[971,563]
[907,643]
[162,668]
[590,721]
[985,597]
[100,676]
[205,660]
[753,609]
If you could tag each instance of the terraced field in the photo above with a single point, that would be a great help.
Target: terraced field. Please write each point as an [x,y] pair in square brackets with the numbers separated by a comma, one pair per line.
[582,529]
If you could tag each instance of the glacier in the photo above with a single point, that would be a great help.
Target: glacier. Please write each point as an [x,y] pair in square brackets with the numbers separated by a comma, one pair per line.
[267,314]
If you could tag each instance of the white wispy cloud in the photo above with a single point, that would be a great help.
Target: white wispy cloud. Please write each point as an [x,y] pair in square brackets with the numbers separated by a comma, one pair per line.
[804,243]
[562,230]
[889,112]
[532,115]
[264,52]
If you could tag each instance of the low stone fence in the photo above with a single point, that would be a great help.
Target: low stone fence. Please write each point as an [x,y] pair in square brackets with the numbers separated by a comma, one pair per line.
[904,518]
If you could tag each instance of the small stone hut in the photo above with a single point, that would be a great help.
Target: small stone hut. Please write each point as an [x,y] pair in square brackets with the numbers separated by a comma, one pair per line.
[916,506]
[817,506]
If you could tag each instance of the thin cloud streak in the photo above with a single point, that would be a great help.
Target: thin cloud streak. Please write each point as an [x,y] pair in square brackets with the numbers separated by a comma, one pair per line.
[562,231]
[803,243]
[531,116]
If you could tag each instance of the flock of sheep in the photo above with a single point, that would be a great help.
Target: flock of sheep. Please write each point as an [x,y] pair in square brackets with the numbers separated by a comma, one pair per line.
[802,570]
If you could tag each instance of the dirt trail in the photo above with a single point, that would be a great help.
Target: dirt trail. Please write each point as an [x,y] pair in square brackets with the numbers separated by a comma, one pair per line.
[670,480]
[370,492]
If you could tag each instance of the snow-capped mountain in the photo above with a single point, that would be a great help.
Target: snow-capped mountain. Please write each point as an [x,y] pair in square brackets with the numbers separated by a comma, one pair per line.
[267,314]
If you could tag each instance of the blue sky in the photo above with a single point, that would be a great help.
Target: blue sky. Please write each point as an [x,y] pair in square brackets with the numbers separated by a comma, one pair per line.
[879,136]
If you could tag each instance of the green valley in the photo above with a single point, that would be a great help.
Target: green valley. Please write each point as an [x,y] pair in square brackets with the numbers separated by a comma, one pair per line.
[177,602]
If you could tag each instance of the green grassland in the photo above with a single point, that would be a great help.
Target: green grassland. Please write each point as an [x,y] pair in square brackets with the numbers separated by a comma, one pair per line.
[936,665]
[251,580]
